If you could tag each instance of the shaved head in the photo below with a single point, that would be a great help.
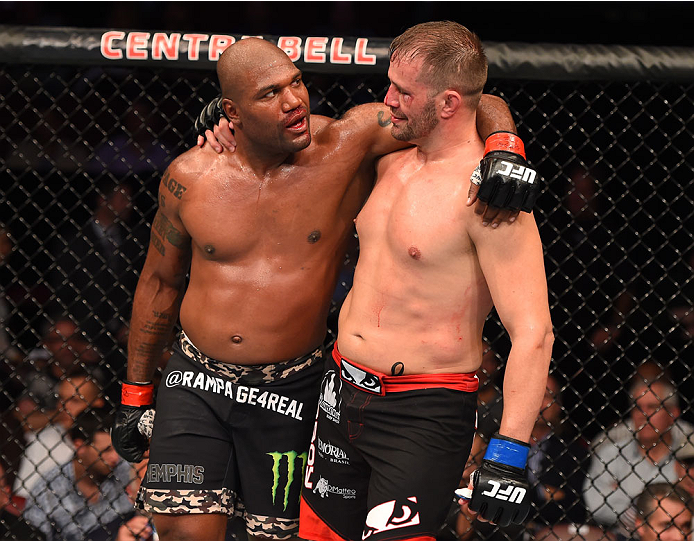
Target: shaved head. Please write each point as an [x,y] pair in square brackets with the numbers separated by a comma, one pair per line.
[244,59]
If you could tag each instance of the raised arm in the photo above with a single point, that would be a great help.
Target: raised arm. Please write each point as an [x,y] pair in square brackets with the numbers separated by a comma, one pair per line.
[155,311]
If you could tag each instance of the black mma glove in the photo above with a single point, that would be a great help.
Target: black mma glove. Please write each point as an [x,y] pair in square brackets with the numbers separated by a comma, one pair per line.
[507,181]
[133,421]
[210,116]
[500,487]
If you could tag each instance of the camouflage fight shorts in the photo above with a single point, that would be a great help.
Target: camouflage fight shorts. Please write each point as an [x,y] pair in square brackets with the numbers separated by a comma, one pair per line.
[232,439]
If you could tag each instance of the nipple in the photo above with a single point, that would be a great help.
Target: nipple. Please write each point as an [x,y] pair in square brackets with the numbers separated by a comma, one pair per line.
[414,252]
[236,339]
[314,236]
[209,249]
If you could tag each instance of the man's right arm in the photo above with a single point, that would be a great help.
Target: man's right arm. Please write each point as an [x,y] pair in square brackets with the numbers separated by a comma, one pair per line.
[160,287]
[155,311]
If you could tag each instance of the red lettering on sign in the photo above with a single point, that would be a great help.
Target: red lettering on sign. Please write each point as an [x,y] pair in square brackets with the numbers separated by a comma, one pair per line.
[107,50]
[290,45]
[194,44]
[360,56]
[336,56]
[136,46]
[165,45]
[315,50]
[219,42]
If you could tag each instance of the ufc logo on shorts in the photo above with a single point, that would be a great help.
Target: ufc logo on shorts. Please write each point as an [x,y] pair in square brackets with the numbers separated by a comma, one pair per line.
[518,172]
[510,493]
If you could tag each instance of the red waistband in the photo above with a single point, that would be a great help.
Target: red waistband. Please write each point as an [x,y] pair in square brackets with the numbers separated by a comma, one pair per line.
[466,381]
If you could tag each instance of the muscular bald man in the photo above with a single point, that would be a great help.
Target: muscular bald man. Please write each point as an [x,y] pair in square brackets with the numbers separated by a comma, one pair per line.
[262,233]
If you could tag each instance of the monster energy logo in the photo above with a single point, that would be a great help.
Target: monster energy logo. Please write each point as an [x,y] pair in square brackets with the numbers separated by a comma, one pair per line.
[291,465]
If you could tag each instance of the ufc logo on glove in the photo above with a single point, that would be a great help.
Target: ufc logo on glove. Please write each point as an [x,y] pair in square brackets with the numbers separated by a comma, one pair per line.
[518,172]
[513,494]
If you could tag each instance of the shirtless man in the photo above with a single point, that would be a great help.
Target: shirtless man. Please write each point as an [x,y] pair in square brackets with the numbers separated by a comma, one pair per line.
[263,231]
[396,414]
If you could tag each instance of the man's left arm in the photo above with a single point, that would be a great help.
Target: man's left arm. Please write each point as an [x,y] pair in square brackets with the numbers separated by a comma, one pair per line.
[513,268]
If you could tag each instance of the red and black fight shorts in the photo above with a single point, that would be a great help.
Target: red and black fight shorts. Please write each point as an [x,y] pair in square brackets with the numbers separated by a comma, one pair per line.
[232,439]
[386,454]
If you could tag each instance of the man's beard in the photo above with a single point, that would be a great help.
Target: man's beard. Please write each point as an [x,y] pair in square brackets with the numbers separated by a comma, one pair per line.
[418,126]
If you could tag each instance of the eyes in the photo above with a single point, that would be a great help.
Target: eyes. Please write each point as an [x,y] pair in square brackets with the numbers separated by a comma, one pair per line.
[296,83]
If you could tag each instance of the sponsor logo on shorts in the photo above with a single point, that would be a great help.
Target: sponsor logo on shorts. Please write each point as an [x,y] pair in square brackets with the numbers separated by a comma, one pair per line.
[360,378]
[324,488]
[330,396]
[279,472]
[333,453]
[390,516]
[239,393]
[178,473]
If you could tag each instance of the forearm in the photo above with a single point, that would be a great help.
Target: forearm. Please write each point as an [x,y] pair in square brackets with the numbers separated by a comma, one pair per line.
[525,380]
[155,312]
[493,115]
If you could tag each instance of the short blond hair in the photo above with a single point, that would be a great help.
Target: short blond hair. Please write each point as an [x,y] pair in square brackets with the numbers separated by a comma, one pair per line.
[452,57]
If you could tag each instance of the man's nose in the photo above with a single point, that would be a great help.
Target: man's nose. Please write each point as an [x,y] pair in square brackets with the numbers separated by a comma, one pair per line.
[391,97]
[291,101]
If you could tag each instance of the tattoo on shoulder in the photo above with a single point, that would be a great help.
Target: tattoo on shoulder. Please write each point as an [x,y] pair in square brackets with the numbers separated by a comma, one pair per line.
[175,187]
[382,121]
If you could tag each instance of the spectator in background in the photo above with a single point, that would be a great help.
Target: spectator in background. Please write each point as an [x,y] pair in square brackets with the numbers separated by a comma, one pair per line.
[684,465]
[557,465]
[664,512]
[48,446]
[622,467]
[97,268]
[88,491]
[12,525]
[7,349]
[490,401]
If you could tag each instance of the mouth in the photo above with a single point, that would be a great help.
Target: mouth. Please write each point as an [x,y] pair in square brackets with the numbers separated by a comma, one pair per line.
[396,119]
[297,121]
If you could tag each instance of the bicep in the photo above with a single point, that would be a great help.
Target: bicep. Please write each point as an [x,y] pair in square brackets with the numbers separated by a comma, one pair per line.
[169,244]
[369,125]
[511,259]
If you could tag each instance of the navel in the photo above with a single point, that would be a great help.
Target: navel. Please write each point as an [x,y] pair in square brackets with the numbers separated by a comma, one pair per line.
[236,339]
[313,236]
[209,249]
[414,252]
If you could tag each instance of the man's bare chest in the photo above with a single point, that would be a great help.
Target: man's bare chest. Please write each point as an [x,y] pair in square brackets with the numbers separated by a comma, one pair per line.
[415,216]
[229,225]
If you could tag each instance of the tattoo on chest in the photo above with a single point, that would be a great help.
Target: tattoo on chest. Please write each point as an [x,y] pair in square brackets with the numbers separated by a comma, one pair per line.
[382,121]
[173,186]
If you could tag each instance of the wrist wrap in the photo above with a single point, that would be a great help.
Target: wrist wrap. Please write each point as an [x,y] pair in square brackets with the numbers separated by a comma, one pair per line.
[137,394]
[507,451]
[505,141]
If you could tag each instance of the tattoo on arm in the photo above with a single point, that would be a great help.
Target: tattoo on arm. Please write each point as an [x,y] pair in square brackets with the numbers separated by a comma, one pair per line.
[383,122]
[166,230]
[175,187]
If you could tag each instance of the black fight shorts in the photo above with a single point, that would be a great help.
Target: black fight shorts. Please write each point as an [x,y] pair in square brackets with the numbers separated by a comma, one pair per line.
[386,453]
[232,439]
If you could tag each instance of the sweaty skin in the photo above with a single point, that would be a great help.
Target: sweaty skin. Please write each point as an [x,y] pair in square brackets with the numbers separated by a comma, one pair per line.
[263,230]
[429,272]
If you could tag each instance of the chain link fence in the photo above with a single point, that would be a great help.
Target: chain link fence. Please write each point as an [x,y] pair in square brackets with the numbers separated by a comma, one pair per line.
[81,154]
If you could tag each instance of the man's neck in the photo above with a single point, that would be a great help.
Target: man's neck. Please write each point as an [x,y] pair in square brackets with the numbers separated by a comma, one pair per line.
[259,160]
[448,139]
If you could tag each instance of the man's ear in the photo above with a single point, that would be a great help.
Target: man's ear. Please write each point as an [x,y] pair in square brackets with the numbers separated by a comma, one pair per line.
[231,111]
[452,101]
